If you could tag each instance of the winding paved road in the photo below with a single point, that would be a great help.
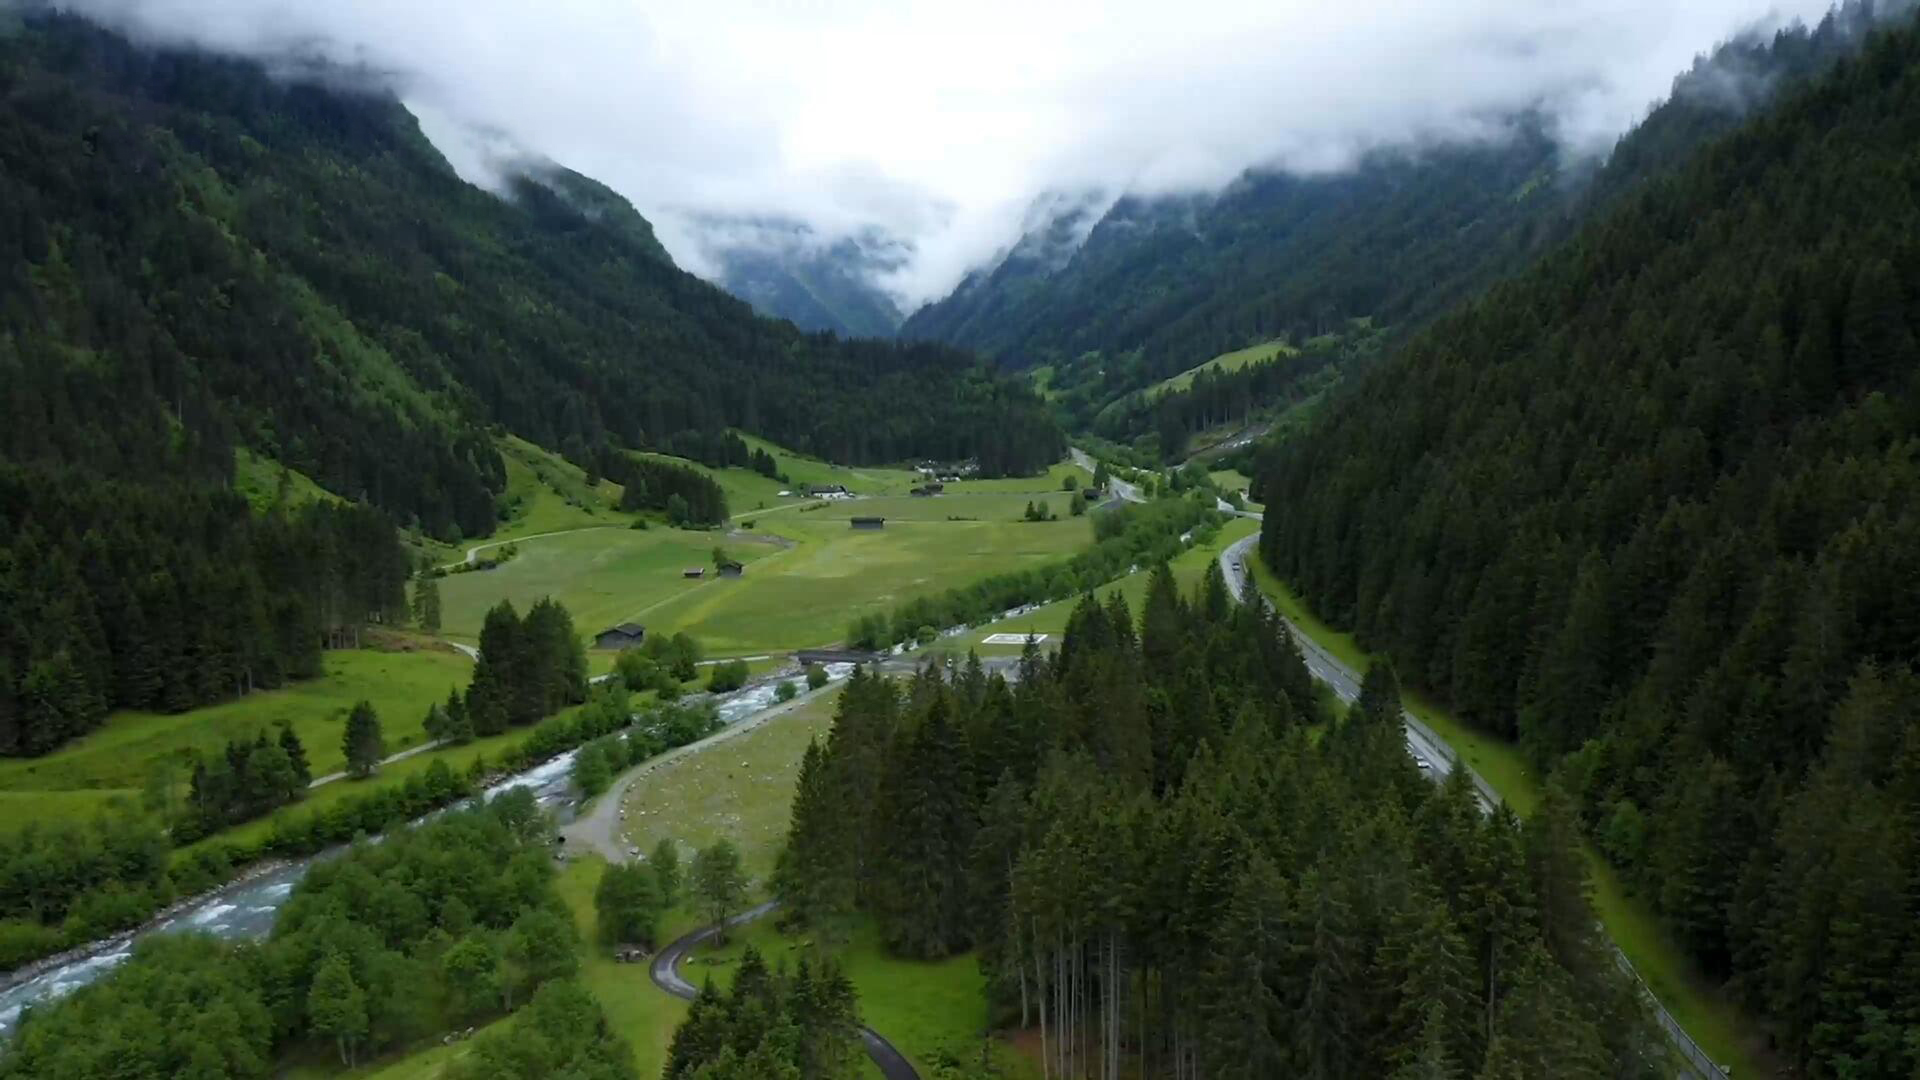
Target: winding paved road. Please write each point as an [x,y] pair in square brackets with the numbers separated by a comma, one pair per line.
[666,975]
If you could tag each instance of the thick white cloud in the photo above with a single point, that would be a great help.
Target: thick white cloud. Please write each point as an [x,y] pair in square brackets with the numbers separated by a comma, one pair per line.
[941,122]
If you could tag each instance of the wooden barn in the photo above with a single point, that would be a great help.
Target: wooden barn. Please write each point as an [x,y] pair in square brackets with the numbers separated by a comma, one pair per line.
[624,636]
[869,523]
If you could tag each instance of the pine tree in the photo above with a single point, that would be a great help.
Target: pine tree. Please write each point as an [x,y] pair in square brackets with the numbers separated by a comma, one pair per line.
[664,862]
[362,743]
[296,756]
[814,874]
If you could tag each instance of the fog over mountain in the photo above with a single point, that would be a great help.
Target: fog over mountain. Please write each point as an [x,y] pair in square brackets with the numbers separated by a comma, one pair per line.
[935,127]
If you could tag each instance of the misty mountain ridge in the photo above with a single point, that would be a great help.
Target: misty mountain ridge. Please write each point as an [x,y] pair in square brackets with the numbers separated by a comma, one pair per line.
[1162,284]
[787,270]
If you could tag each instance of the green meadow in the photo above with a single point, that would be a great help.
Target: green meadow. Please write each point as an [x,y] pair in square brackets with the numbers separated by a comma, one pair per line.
[116,759]
[1230,361]
[808,571]
[1189,567]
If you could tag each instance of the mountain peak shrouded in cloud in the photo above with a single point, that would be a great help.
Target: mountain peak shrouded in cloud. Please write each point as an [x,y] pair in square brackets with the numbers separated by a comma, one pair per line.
[939,125]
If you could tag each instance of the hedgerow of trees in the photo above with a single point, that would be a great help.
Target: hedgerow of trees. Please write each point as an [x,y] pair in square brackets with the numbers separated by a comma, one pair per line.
[1161,871]
[1653,510]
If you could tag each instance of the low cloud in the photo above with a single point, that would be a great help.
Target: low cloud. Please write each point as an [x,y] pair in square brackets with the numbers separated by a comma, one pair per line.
[939,124]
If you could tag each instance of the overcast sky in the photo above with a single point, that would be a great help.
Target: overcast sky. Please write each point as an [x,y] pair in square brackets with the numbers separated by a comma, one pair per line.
[941,122]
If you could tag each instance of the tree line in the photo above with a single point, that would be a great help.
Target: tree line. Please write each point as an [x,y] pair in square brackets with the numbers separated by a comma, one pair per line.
[170,595]
[1163,871]
[1653,510]
[449,924]
[688,497]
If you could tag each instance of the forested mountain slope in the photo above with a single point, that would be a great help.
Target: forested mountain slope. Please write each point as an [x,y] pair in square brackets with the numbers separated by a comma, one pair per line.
[196,254]
[1162,285]
[1653,508]
[197,257]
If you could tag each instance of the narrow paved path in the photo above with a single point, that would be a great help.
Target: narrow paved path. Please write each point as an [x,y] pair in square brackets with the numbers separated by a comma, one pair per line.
[320,781]
[474,551]
[666,975]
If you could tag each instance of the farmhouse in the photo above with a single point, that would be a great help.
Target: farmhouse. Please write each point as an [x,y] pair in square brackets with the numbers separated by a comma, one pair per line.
[694,572]
[829,491]
[626,635]
[869,523]
[729,568]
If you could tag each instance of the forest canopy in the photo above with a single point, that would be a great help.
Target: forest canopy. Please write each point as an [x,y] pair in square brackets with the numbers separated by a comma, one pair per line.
[1653,509]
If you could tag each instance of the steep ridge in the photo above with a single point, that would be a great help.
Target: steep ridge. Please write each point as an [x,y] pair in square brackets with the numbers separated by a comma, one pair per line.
[198,254]
[1161,285]
[1653,510]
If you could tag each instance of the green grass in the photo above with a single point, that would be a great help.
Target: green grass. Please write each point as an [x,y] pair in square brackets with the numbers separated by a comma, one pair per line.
[603,576]
[642,1013]
[803,470]
[116,759]
[1700,1007]
[267,484]
[547,493]
[1233,480]
[1189,567]
[1048,482]
[922,1007]
[800,595]
[738,790]
[1231,361]
[808,594]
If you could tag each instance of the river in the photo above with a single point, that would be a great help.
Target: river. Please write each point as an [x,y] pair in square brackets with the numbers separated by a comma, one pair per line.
[245,909]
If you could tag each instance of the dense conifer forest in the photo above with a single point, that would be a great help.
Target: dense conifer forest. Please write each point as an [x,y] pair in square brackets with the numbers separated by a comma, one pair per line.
[1161,869]
[195,255]
[1653,509]
[170,594]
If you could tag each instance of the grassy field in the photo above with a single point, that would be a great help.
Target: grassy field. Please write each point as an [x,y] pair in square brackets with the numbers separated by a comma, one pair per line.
[547,493]
[740,790]
[921,1007]
[1699,1006]
[603,576]
[1188,569]
[266,483]
[116,759]
[803,586]
[1048,481]
[1232,361]
[1233,480]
